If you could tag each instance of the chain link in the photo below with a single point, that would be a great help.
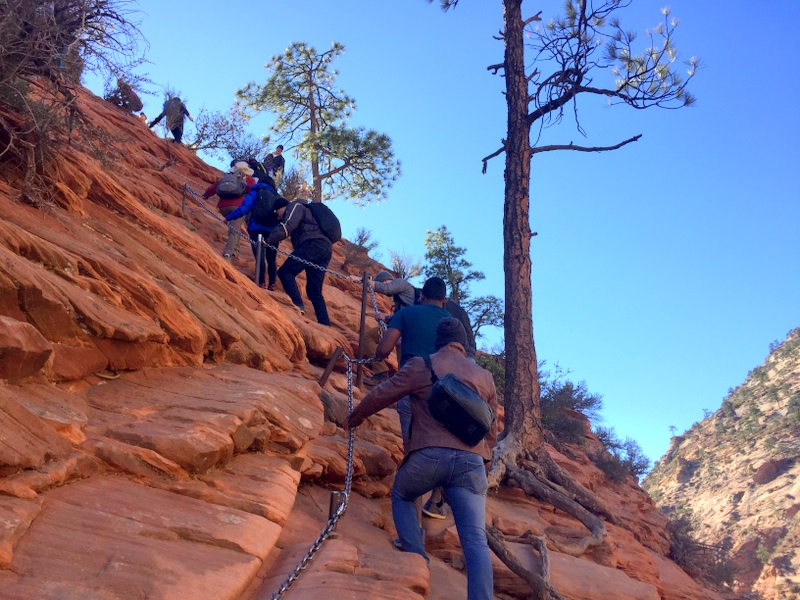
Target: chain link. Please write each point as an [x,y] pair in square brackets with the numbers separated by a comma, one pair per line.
[345,497]
[381,323]
[348,481]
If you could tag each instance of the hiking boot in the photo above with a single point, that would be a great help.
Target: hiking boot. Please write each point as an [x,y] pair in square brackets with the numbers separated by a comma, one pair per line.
[263,286]
[434,510]
[271,287]
[302,309]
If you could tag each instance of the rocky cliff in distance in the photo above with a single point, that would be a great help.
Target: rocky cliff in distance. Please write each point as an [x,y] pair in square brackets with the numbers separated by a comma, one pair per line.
[163,431]
[735,476]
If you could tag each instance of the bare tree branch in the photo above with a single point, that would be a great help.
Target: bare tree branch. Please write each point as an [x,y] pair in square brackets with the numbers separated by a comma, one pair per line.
[571,146]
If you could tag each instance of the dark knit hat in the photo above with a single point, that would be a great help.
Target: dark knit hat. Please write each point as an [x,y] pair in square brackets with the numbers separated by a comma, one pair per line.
[450,330]
[383,276]
[279,202]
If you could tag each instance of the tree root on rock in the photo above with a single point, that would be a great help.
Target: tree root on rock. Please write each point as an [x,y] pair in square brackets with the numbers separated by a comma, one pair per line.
[540,583]
[537,474]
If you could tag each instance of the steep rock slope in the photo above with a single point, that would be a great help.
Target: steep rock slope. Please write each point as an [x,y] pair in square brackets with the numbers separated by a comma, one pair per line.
[735,474]
[164,432]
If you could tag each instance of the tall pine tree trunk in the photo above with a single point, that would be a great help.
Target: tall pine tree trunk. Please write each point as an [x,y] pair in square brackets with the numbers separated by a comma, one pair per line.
[523,415]
[521,458]
[316,195]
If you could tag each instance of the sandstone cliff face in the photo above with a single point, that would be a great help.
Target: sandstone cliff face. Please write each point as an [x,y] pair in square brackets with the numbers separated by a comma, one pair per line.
[736,475]
[164,434]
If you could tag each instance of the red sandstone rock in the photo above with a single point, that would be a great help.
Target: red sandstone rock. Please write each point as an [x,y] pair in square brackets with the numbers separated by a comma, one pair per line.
[16,515]
[64,412]
[69,363]
[23,350]
[119,276]
[138,542]
[27,441]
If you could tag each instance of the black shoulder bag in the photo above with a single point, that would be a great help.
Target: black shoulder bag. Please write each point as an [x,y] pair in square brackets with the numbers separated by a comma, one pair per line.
[459,408]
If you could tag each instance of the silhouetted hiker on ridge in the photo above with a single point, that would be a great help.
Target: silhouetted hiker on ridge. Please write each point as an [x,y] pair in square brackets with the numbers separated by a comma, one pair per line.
[175,111]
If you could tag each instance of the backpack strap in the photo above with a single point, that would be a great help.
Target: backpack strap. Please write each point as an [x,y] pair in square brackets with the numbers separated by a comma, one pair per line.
[428,364]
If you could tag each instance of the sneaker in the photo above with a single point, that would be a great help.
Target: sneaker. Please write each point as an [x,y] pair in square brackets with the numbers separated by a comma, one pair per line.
[398,544]
[263,286]
[434,510]
[226,256]
[302,309]
[271,287]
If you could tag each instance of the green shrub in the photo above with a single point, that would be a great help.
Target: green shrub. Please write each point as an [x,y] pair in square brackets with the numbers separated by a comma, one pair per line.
[559,396]
[611,466]
[706,563]
[727,409]
[762,554]
[621,458]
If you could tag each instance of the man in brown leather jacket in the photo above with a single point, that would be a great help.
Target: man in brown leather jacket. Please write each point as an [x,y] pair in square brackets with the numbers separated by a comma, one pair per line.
[436,457]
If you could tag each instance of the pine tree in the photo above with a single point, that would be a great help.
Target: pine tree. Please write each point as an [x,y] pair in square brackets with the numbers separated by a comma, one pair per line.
[354,163]
[567,55]
[445,260]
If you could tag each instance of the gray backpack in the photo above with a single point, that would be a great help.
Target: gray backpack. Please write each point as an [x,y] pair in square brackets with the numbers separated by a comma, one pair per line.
[231,185]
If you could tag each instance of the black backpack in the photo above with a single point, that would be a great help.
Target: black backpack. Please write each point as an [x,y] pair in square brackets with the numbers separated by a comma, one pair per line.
[327,221]
[260,172]
[458,407]
[263,212]
[231,185]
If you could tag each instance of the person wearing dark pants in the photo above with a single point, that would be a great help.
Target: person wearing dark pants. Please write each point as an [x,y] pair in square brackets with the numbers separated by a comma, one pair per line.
[262,221]
[318,253]
[175,111]
[310,246]
[270,257]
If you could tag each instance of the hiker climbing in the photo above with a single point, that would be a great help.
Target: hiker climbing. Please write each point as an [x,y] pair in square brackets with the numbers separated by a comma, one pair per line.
[311,252]
[404,294]
[125,97]
[436,457]
[231,190]
[176,112]
[274,164]
[379,368]
[258,206]
[416,324]
[260,172]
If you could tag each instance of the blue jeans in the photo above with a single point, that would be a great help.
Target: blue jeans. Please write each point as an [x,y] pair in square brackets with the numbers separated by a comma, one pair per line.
[463,477]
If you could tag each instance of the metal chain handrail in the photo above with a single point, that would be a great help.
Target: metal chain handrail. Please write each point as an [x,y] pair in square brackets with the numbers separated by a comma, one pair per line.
[348,481]
[381,323]
[345,494]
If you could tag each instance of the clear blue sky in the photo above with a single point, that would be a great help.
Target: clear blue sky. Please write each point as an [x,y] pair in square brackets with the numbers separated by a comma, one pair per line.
[661,272]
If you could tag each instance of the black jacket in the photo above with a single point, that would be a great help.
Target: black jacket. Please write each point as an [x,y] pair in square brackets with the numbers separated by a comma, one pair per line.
[300,224]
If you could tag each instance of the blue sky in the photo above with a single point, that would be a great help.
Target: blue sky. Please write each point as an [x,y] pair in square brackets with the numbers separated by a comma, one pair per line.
[661,271]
